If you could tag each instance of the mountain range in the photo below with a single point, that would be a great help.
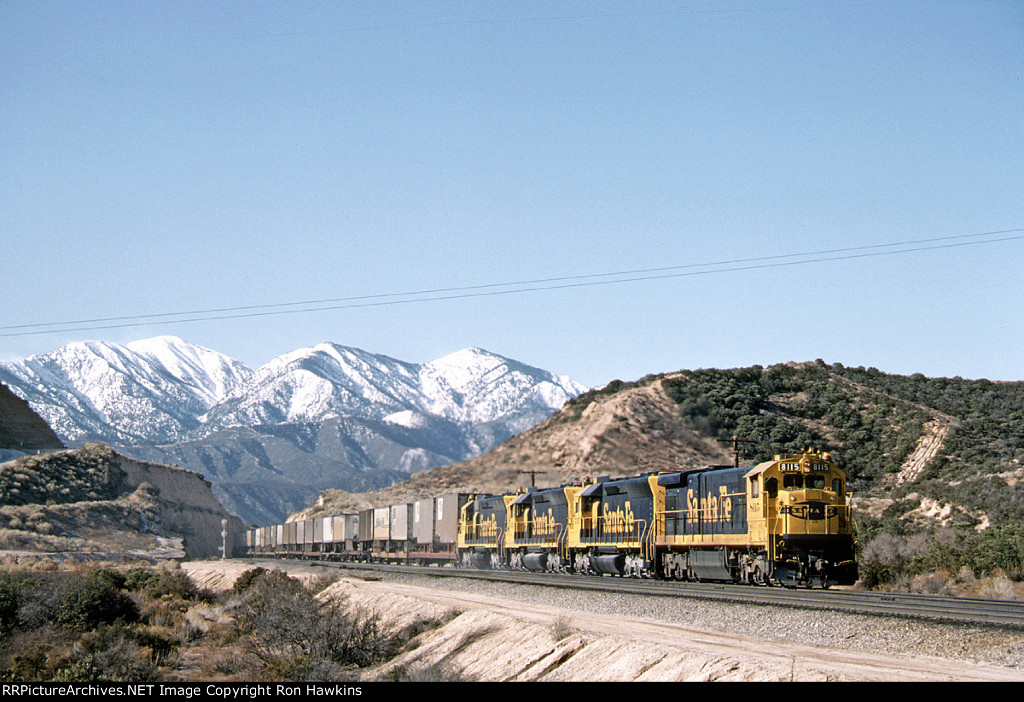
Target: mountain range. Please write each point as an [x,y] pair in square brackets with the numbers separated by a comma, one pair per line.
[270,439]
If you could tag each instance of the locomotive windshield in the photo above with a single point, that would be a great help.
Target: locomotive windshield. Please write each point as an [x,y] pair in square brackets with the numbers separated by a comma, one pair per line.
[793,481]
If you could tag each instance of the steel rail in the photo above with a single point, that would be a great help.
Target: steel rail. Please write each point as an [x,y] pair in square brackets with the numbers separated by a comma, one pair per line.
[968,610]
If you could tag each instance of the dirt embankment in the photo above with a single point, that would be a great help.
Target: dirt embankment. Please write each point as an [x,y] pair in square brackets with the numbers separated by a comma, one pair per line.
[473,636]
[95,503]
[21,429]
[933,438]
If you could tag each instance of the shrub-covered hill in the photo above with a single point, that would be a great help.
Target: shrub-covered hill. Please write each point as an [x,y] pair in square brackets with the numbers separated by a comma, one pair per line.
[952,442]
[939,451]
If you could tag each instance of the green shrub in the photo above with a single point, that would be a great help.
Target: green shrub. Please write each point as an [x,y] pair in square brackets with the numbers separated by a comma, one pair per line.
[246,579]
[174,583]
[83,603]
[110,576]
[9,604]
[107,653]
[137,579]
[30,663]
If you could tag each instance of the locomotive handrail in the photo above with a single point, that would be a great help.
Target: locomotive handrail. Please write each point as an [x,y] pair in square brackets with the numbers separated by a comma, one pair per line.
[482,533]
[647,545]
[697,518]
[518,535]
[563,543]
[596,532]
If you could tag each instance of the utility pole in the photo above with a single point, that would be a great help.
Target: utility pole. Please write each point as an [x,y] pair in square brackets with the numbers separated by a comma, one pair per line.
[736,441]
[533,476]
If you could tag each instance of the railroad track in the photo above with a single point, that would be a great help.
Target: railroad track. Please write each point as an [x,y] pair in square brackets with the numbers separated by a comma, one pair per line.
[1001,613]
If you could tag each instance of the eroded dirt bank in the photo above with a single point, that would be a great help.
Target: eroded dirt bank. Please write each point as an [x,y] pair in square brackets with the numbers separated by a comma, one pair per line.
[474,636]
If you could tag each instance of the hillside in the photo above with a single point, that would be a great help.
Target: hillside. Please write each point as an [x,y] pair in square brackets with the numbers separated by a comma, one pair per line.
[21,429]
[95,503]
[952,446]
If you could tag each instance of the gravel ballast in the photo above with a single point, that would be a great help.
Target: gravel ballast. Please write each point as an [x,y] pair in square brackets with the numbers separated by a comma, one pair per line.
[840,630]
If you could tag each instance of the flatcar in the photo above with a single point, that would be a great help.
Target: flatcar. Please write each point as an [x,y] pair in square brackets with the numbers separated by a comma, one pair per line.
[786,521]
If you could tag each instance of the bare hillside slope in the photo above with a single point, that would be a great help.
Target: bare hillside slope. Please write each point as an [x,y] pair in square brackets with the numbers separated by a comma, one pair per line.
[627,431]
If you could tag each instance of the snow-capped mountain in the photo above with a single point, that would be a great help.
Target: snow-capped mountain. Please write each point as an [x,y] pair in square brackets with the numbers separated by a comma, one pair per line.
[314,384]
[164,389]
[269,439]
[150,391]
[328,380]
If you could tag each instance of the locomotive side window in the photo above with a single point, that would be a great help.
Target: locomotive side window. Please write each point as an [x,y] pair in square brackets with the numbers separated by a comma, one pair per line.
[837,486]
[754,484]
[771,486]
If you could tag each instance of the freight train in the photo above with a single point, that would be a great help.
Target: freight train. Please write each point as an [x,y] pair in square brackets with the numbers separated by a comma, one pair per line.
[786,522]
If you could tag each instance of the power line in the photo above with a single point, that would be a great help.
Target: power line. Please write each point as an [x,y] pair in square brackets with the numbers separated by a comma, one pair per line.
[517,287]
[757,8]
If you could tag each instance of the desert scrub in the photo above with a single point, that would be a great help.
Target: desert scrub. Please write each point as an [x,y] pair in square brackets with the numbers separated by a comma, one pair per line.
[91,474]
[246,579]
[84,603]
[143,624]
[174,584]
[562,628]
[294,636]
[67,626]
[79,626]
[9,602]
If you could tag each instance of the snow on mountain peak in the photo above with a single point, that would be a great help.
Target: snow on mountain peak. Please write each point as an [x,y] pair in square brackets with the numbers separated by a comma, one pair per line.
[463,367]
[165,389]
[212,374]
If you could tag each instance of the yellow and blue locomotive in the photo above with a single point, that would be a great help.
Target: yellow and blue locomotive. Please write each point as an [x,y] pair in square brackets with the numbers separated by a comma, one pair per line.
[785,521]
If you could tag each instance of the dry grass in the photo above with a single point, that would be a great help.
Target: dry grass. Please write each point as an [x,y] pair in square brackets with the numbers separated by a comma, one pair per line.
[962,584]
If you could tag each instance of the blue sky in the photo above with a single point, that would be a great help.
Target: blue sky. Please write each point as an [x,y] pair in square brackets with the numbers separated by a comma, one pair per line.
[163,158]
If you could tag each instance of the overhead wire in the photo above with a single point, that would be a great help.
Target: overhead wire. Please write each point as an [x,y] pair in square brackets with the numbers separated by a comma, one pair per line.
[516,287]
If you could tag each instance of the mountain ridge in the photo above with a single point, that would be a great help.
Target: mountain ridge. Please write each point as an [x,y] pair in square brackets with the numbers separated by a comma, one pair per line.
[316,417]
[163,390]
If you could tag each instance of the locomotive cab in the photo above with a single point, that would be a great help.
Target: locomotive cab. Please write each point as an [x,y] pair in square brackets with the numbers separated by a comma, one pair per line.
[800,505]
